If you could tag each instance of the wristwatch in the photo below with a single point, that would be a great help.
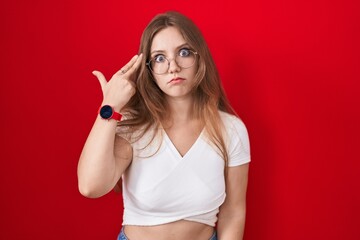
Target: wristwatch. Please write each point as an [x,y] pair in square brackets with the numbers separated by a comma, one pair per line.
[107,112]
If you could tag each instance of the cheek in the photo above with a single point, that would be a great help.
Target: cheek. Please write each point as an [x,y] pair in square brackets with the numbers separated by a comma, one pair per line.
[192,72]
[155,78]
[158,82]
[197,68]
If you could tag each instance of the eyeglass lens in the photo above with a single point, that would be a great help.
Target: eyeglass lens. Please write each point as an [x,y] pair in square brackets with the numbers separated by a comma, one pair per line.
[161,64]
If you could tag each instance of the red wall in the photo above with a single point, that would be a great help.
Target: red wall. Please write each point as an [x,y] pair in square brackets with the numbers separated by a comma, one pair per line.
[290,68]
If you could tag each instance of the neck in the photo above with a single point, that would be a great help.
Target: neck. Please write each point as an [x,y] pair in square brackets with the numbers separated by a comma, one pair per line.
[180,109]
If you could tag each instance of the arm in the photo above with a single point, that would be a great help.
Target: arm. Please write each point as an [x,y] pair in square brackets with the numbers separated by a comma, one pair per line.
[231,222]
[105,155]
[104,158]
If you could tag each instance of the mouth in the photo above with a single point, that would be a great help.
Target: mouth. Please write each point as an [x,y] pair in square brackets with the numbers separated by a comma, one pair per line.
[176,80]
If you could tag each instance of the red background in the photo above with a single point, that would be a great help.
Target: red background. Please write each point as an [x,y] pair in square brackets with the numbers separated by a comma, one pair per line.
[290,68]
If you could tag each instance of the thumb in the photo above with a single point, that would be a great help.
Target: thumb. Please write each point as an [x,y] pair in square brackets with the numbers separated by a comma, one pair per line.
[100,77]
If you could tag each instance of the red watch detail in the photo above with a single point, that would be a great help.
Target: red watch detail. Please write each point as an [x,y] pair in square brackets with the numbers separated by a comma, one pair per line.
[116,116]
[107,112]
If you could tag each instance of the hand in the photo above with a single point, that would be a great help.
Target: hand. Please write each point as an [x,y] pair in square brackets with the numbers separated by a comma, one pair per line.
[121,87]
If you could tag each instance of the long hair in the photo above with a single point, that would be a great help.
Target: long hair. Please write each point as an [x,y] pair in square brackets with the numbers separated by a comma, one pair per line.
[148,107]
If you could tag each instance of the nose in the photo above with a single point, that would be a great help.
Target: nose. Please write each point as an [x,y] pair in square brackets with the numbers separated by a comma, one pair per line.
[173,66]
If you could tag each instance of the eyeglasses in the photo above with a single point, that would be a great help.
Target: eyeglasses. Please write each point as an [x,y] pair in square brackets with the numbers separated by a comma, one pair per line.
[185,58]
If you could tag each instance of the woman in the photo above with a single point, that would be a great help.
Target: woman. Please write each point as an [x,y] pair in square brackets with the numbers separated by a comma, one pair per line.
[181,152]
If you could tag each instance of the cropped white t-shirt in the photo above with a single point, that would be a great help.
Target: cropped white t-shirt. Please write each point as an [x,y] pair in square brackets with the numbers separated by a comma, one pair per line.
[161,186]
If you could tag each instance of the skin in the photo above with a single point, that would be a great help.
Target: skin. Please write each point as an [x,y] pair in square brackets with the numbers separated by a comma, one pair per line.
[105,157]
[168,42]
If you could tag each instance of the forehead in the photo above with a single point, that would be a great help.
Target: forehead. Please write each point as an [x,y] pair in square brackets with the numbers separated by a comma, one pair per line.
[167,39]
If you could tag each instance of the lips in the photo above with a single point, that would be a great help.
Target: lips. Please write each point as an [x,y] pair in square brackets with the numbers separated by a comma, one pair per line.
[176,80]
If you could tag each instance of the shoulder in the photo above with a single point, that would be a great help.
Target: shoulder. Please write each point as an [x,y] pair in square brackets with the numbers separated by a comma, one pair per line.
[235,130]
[231,122]
[236,139]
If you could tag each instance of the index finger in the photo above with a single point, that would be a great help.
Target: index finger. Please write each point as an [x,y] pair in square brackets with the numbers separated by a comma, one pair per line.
[127,66]
[134,66]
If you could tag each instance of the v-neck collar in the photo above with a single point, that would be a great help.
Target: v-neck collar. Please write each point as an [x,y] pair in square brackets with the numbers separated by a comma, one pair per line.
[175,151]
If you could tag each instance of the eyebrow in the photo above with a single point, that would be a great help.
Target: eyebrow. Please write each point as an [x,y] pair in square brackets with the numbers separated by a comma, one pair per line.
[179,47]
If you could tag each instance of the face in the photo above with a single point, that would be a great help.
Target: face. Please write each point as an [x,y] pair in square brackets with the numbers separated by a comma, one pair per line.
[172,56]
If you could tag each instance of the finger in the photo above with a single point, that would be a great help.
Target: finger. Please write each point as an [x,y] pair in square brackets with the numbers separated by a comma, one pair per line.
[125,68]
[135,65]
[101,78]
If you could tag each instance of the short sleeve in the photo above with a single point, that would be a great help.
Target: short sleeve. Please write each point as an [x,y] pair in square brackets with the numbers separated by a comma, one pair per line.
[238,142]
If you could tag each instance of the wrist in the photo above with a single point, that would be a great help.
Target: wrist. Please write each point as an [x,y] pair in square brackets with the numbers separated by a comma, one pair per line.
[116,106]
[108,112]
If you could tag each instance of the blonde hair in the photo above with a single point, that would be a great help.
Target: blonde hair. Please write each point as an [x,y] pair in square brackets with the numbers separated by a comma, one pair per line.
[148,107]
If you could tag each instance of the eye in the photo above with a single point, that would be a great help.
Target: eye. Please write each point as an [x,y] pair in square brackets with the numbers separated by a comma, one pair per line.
[159,58]
[184,52]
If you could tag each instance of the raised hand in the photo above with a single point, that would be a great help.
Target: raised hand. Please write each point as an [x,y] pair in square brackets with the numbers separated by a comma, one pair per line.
[121,87]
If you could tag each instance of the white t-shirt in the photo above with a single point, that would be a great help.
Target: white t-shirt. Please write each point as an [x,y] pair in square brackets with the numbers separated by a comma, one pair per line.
[161,186]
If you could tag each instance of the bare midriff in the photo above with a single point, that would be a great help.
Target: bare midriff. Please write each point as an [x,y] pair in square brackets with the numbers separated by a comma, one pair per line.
[179,230]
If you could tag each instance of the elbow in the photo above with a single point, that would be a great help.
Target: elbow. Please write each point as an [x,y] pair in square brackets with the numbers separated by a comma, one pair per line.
[236,213]
[89,186]
[89,191]
[86,192]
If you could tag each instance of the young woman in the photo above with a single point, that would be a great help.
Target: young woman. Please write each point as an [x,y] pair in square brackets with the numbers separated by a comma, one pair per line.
[180,150]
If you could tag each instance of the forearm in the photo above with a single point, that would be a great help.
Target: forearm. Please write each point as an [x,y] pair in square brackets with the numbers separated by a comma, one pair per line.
[97,166]
[231,227]
[105,156]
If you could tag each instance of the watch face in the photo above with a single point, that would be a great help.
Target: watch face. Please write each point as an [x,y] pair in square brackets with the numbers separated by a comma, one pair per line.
[106,112]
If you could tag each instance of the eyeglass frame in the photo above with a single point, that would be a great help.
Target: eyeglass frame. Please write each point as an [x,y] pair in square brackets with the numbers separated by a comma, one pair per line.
[169,60]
